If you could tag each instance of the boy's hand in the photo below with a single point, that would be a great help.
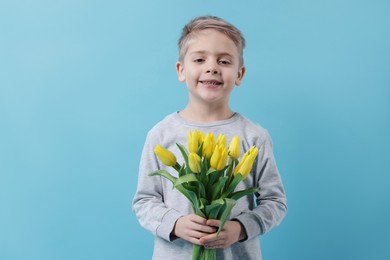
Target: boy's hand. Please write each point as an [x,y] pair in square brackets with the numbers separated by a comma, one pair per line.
[232,232]
[192,227]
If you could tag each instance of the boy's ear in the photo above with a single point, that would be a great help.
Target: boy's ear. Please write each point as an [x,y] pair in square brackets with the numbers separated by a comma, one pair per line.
[180,71]
[240,75]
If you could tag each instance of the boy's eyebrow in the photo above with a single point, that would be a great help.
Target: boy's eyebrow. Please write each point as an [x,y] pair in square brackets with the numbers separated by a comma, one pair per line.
[205,52]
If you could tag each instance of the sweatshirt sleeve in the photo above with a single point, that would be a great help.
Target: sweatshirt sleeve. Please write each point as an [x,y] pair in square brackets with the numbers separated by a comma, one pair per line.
[271,203]
[148,202]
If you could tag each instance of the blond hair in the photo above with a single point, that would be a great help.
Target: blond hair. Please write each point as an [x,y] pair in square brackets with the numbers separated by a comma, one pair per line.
[210,22]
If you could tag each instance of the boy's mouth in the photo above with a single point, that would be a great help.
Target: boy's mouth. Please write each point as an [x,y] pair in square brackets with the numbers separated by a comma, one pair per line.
[211,82]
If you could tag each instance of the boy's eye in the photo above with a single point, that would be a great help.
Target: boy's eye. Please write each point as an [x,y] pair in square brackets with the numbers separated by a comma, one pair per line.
[224,62]
[198,60]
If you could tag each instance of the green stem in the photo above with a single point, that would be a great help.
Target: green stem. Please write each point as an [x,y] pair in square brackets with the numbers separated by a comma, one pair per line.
[177,166]
[197,251]
[229,173]
[210,254]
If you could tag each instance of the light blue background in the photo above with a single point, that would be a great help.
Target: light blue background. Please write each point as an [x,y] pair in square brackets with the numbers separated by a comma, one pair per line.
[81,82]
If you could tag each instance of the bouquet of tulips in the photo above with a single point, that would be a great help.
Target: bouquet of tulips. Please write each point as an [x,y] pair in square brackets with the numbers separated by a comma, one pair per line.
[208,177]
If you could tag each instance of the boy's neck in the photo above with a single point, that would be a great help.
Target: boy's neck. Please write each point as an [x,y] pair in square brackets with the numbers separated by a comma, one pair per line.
[206,114]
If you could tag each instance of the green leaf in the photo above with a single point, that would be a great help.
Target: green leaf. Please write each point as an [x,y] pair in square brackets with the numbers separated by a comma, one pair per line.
[236,180]
[217,187]
[203,176]
[210,171]
[213,177]
[184,152]
[165,174]
[229,204]
[239,194]
[182,170]
[213,209]
[190,192]
[192,187]
[197,185]
[204,201]
[224,168]
[200,149]
[193,198]
[186,178]
[230,167]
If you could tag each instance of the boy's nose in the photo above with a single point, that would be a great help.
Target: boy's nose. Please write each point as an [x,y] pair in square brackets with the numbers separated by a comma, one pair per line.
[212,70]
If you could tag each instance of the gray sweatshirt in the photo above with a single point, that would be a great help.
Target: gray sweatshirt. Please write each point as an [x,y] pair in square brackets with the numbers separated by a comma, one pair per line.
[157,205]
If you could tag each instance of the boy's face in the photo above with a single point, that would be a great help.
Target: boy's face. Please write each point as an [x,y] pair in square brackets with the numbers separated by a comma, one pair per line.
[211,67]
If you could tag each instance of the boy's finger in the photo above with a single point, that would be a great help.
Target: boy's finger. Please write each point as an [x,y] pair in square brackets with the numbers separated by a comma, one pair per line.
[213,222]
[199,219]
[206,229]
[209,238]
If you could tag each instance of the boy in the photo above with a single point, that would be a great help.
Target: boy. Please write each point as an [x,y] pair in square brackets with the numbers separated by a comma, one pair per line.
[211,64]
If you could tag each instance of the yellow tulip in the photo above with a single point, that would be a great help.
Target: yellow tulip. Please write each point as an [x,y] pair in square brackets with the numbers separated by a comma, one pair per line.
[166,156]
[194,162]
[245,165]
[201,137]
[195,138]
[254,151]
[219,158]
[234,147]
[221,139]
[208,145]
